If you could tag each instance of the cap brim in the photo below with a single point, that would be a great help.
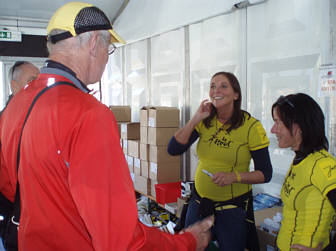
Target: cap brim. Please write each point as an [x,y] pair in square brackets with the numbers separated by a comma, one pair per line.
[115,38]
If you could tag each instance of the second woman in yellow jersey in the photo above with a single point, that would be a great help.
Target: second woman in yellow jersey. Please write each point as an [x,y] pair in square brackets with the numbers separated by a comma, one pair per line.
[309,189]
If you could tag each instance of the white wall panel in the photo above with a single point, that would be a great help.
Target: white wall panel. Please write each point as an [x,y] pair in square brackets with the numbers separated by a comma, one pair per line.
[167,69]
[112,80]
[136,77]
[286,41]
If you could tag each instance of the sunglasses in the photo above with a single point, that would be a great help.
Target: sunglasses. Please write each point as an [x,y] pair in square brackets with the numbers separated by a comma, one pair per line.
[284,100]
[111,49]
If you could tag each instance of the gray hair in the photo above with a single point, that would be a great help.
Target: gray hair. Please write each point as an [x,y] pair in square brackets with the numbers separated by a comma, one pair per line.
[15,70]
[81,40]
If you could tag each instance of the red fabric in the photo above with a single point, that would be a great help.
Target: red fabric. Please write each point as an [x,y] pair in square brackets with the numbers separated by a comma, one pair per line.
[75,185]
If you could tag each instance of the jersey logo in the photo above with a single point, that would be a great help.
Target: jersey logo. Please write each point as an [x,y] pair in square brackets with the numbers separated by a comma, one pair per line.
[329,171]
[288,188]
[223,142]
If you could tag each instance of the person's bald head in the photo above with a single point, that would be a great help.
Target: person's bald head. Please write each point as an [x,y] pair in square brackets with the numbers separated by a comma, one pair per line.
[20,74]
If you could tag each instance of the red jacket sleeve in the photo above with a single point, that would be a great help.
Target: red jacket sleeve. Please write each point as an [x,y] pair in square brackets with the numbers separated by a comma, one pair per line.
[147,238]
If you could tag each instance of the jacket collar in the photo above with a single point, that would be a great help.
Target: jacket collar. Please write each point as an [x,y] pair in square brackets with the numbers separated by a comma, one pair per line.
[53,67]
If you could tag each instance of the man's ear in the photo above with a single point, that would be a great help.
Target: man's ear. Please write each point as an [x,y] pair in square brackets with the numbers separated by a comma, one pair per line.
[94,44]
[14,86]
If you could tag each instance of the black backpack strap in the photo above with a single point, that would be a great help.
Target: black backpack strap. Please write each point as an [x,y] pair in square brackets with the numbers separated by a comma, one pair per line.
[17,203]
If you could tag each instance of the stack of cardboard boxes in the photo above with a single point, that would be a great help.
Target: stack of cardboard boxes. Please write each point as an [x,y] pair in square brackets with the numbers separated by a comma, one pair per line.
[122,114]
[145,145]
[129,133]
[157,126]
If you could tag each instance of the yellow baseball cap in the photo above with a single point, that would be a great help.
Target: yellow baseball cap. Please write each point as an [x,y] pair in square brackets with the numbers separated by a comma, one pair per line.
[76,18]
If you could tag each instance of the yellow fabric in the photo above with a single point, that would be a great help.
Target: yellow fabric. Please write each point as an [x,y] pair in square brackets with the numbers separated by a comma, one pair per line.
[238,176]
[64,19]
[307,212]
[226,152]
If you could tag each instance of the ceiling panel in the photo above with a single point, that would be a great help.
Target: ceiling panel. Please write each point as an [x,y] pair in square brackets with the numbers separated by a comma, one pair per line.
[14,12]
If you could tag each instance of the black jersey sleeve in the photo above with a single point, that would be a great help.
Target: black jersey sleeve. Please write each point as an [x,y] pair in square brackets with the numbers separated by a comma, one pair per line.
[262,162]
[176,148]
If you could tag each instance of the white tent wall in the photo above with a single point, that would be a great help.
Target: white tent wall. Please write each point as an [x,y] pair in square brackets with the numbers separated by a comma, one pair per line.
[274,48]
[146,18]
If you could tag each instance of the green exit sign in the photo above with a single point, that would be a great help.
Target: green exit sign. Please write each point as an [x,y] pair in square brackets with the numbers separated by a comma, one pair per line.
[5,34]
[10,36]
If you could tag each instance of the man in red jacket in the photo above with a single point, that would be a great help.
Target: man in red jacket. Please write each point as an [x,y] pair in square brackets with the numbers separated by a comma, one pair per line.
[76,190]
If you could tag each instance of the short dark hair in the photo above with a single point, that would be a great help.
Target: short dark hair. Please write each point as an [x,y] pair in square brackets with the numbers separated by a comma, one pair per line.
[303,110]
[17,65]
[237,117]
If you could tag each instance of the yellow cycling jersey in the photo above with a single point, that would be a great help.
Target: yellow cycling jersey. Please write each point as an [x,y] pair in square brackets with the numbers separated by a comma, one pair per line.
[307,213]
[220,151]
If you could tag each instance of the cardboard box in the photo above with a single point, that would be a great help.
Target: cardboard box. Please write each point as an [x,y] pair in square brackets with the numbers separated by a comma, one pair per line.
[144,168]
[137,166]
[165,172]
[133,148]
[163,116]
[144,151]
[130,130]
[119,129]
[152,187]
[144,134]
[144,116]
[267,241]
[121,113]
[262,214]
[180,204]
[160,136]
[160,154]
[130,163]
[142,184]
[171,207]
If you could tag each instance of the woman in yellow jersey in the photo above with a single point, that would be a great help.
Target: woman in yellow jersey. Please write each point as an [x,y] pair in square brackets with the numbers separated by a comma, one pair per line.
[309,189]
[228,138]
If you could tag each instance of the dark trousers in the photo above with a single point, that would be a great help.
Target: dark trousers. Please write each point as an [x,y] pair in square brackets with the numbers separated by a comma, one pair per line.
[230,228]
